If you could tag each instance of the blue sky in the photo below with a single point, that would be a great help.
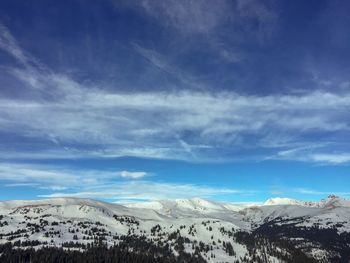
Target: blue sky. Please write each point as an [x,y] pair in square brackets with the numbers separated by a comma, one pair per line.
[123,101]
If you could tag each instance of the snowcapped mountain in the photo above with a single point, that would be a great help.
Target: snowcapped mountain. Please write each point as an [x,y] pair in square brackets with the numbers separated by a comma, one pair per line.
[278,230]
[282,201]
[331,200]
[189,207]
[193,204]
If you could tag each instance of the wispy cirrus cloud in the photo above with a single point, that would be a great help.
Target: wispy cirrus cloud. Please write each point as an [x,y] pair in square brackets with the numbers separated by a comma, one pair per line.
[214,121]
[189,16]
[224,26]
[320,193]
[102,184]
[163,64]
[202,17]
[132,175]
[60,178]
[82,120]
[10,45]
[340,158]
[146,190]
[313,153]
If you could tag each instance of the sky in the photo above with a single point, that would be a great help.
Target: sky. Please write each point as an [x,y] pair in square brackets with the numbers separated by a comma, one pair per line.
[127,101]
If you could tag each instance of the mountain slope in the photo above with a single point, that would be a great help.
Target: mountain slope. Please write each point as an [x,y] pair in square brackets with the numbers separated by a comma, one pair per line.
[214,231]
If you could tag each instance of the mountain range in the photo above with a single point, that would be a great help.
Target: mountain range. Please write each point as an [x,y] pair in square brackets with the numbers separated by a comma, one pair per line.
[183,230]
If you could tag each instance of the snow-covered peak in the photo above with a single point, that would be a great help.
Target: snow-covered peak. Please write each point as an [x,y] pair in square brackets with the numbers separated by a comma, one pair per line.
[334,201]
[51,221]
[330,202]
[179,207]
[155,205]
[282,201]
[197,203]
[167,206]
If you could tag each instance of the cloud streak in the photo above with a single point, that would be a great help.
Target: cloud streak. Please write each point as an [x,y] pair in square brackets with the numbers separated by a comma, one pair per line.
[91,121]
[143,190]
[331,158]
[111,120]
[102,184]
[60,178]
[320,193]
[132,175]
[10,45]
[202,17]
[189,16]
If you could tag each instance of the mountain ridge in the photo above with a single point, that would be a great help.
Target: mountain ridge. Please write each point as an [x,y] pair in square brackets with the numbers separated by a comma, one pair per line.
[186,225]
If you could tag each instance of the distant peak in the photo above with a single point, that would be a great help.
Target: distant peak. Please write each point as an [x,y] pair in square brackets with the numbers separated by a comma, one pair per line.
[331,201]
[333,196]
[280,201]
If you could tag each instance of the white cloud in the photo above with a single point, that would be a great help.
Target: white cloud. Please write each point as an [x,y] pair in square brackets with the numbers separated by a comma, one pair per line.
[331,158]
[65,181]
[22,185]
[59,178]
[112,120]
[9,44]
[199,20]
[21,173]
[264,17]
[143,190]
[205,17]
[132,175]
[88,121]
[162,63]
[315,192]
[189,16]
[116,121]
[313,153]
[54,187]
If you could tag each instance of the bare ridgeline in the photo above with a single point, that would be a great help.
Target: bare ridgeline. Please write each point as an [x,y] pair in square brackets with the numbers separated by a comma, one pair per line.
[186,230]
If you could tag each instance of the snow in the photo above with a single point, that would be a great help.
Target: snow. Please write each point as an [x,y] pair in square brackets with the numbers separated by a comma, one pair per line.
[331,200]
[281,201]
[204,217]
